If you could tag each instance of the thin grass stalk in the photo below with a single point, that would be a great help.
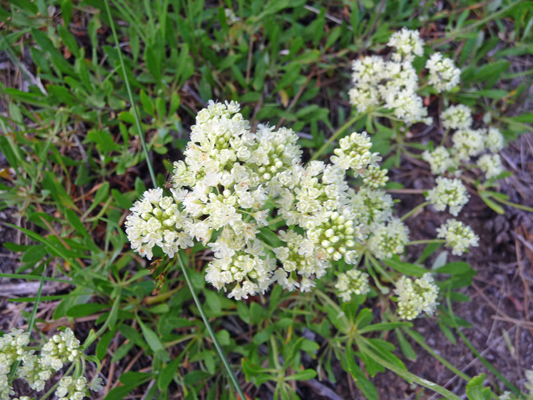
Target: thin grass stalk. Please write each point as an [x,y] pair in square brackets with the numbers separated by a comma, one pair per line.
[512,387]
[184,269]
[210,330]
[130,94]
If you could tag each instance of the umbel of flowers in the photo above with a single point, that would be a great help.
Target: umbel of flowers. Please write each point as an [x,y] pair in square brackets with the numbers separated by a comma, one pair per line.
[37,369]
[234,182]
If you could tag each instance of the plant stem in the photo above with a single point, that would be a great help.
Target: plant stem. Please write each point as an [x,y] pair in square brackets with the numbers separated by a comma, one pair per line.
[404,374]
[275,220]
[418,207]
[426,241]
[445,362]
[336,135]
[482,21]
[476,353]
[211,332]
[47,394]
[130,95]
[511,204]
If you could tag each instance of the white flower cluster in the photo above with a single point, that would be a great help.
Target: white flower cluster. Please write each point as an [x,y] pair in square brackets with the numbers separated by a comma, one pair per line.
[352,282]
[393,84]
[72,389]
[448,192]
[61,349]
[416,297]
[443,74]
[458,236]
[407,45]
[388,238]
[439,160]
[223,192]
[467,143]
[491,165]
[37,369]
[12,348]
[457,117]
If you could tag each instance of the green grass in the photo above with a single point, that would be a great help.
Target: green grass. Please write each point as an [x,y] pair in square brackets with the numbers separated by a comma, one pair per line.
[74,144]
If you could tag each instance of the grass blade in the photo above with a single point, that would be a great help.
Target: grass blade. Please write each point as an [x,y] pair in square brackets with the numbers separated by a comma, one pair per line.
[211,332]
[130,95]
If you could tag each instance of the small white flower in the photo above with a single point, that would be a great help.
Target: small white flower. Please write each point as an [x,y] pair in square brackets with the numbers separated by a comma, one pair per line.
[388,238]
[494,140]
[448,192]
[416,297]
[443,74]
[439,160]
[352,282]
[491,165]
[458,236]
[407,44]
[457,117]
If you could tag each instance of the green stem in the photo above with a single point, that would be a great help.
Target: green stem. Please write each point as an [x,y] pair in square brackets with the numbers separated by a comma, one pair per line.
[404,374]
[275,220]
[418,207]
[336,135]
[445,362]
[210,330]
[472,26]
[32,318]
[130,94]
[37,300]
[49,393]
[476,353]
[426,241]
[511,204]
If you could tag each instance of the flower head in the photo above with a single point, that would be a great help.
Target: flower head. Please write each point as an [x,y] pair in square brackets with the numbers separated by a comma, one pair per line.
[439,160]
[72,389]
[61,349]
[468,143]
[458,236]
[416,297]
[494,140]
[457,117]
[448,192]
[443,74]
[407,44]
[388,238]
[352,282]
[491,165]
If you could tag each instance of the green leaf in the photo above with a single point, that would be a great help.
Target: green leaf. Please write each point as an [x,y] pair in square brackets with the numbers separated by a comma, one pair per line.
[147,104]
[474,388]
[134,336]
[104,141]
[57,191]
[103,344]
[454,268]
[291,73]
[405,346]
[66,11]
[74,220]
[34,254]
[385,326]
[154,342]
[304,375]
[84,310]
[406,268]
[168,373]
[369,390]
[212,299]
[68,39]
[102,194]
[131,377]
